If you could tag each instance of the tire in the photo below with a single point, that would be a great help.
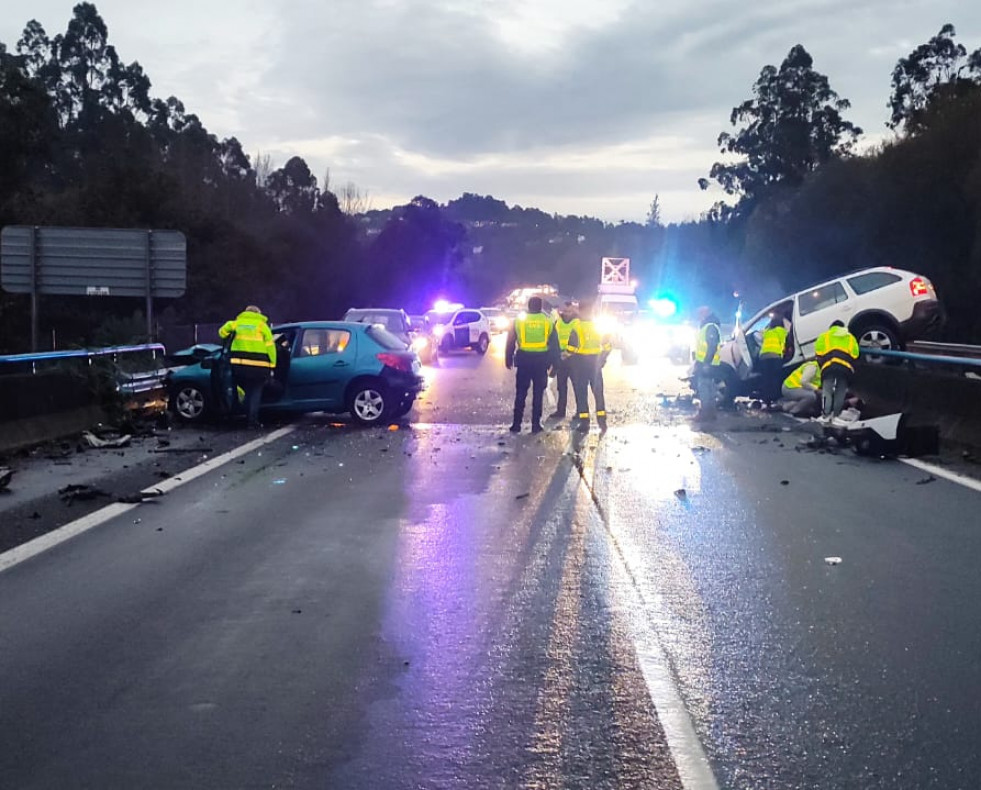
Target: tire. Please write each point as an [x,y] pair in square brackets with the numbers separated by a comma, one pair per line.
[369,403]
[189,403]
[873,336]
[405,406]
[482,345]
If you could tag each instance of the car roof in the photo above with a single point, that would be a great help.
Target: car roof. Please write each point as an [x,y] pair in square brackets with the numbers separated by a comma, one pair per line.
[349,325]
[846,275]
[375,310]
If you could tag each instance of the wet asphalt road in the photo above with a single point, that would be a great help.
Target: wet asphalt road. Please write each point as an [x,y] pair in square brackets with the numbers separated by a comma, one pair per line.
[447,605]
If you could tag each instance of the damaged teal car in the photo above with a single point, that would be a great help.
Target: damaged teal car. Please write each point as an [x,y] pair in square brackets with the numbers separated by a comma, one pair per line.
[337,367]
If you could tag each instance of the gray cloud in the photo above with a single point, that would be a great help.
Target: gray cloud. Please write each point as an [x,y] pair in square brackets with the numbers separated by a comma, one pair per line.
[426,96]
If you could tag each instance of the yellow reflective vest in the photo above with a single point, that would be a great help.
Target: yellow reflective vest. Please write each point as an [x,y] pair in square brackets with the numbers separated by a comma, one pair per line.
[252,344]
[589,341]
[837,346]
[701,347]
[796,379]
[563,329]
[533,332]
[774,341]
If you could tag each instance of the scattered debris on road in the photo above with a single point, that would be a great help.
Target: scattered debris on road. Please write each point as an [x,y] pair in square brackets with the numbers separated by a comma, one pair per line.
[785,482]
[81,493]
[139,497]
[523,496]
[681,493]
[6,473]
[102,444]
[925,480]
[833,560]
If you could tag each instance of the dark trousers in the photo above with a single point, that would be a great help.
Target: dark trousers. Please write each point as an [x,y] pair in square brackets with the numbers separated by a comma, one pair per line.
[532,371]
[771,377]
[587,374]
[251,380]
[562,376]
[834,388]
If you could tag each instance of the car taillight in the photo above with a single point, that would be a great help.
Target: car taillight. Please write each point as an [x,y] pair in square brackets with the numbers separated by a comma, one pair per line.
[920,286]
[395,361]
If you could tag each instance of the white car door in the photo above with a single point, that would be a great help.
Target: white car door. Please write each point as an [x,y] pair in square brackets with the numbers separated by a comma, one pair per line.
[814,310]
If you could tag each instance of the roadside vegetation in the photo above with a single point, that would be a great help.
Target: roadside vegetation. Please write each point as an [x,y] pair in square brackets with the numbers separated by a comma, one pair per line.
[84,142]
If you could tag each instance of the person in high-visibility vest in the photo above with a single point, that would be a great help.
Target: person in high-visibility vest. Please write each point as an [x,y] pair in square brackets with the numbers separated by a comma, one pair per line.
[707,372]
[771,358]
[800,390]
[564,322]
[532,348]
[252,355]
[836,351]
[586,352]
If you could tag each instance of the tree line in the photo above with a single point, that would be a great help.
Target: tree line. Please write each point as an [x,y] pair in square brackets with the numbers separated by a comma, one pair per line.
[84,143]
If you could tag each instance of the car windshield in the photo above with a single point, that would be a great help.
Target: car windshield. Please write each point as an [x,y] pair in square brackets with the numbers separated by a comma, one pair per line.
[384,338]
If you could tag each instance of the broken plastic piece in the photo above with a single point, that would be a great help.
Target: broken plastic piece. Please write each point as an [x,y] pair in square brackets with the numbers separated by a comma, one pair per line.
[681,493]
[95,441]
[393,427]
[833,560]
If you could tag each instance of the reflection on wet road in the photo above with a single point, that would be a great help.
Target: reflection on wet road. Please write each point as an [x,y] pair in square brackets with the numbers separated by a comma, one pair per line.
[449,606]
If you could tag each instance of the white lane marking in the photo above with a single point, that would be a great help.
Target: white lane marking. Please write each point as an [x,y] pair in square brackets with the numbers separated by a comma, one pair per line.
[684,745]
[44,542]
[967,482]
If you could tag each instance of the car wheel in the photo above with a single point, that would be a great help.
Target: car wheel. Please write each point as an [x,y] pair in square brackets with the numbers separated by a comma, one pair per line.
[875,337]
[483,344]
[369,403]
[189,402]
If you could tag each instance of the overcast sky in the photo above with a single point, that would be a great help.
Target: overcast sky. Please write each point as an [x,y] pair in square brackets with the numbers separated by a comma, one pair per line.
[570,106]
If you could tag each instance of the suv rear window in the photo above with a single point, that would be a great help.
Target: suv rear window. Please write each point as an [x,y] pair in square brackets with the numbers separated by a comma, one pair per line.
[388,319]
[384,338]
[864,283]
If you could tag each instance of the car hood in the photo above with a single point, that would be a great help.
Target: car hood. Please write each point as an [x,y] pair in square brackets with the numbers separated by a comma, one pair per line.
[188,356]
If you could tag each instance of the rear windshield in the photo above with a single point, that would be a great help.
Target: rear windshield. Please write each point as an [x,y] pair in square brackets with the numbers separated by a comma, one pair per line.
[384,338]
[389,320]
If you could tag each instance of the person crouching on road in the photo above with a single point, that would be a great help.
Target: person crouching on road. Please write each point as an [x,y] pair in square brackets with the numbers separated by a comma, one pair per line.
[836,351]
[707,363]
[800,391]
[586,352]
[563,329]
[532,348]
[252,355]
[771,358]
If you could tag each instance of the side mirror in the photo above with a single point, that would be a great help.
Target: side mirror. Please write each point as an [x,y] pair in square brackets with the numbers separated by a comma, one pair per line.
[208,363]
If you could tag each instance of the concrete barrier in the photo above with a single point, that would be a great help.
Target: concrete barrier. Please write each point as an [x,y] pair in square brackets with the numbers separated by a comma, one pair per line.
[38,407]
[948,400]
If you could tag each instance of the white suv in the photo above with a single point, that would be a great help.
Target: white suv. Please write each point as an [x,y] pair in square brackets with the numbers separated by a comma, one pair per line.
[883,307]
[462,328]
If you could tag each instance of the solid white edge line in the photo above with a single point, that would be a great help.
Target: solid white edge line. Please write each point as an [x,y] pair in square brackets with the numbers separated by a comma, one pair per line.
[51,539]
[953,477]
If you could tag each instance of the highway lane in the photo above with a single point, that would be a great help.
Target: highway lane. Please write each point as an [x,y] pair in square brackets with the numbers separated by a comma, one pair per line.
[449,606]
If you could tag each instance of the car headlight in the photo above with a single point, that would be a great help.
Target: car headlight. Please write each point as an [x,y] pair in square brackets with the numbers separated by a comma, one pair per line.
[439,330]
[419,343]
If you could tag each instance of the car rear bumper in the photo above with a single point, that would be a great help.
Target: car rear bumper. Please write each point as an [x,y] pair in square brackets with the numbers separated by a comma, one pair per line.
[399,381]
[927,320]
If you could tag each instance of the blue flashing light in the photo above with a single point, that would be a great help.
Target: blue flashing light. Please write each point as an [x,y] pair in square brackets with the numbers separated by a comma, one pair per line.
[664,307]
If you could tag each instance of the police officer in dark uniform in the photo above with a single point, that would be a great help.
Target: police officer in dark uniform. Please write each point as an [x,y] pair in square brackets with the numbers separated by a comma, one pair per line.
[532,348]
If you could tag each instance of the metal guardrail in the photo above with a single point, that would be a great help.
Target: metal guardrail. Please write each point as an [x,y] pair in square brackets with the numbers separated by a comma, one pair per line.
[128,383]
[934,358]
[944,349]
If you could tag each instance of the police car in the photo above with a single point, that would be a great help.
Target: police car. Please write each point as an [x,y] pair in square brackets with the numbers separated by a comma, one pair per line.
[457,327]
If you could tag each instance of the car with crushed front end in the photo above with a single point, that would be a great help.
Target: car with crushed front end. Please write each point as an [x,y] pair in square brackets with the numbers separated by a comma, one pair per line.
[884,308]
[331,366]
